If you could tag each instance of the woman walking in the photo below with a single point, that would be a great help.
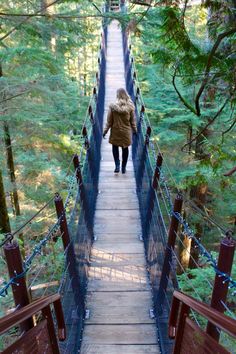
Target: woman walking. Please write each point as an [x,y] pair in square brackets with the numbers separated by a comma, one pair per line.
[121,121]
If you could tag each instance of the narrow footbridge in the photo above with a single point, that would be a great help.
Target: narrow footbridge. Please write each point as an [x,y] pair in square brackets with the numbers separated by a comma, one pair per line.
[119,292]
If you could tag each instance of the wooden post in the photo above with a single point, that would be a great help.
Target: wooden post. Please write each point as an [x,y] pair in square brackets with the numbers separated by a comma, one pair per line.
[220,290]
[90,112]
[95,94]
[51,329]
[63,222]
[137,94]
[148,134]
[85,136]
[19,289]
[157,171]
[168,252]
[97,78]
[76,163]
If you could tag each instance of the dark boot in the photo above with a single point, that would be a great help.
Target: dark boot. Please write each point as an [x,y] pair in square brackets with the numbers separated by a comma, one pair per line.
[123,167]
[117,169]
[125,154]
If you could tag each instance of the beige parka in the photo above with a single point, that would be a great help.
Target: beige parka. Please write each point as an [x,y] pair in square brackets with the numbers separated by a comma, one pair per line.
[121,121]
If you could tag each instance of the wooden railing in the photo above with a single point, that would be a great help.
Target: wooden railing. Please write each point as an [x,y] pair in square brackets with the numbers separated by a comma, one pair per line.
[189,337]
[41,338]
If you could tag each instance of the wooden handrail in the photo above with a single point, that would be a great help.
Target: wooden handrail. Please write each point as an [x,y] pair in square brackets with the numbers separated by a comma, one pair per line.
[28,311]
[220,320]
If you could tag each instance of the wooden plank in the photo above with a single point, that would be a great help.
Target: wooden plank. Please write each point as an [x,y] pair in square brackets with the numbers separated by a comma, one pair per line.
[109,215]
[119,349]
[112,285]
[119,334]
[117,227]
[115,203]
[112,192]
[118,272]
[99,257]
[119,308]
[126,273]
[109,175]
[132,247]
[116,184]
[118,238]
[114,277]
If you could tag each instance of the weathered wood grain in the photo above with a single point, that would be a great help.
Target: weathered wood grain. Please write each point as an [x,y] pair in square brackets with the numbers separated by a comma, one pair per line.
[120,334]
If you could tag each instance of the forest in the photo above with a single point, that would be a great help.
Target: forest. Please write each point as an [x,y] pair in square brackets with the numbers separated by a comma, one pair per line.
[185,62]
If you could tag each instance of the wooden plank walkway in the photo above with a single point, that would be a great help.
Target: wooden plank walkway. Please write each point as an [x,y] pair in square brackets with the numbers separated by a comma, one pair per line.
[119,295]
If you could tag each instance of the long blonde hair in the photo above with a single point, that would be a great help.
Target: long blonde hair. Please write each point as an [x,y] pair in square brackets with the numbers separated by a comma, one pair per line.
[123,98]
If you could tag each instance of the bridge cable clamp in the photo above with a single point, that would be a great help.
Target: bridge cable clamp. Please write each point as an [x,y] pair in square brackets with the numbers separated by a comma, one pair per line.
[87,314]
[151,314]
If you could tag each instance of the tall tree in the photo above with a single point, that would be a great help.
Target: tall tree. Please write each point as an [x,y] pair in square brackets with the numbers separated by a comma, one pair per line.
[9,153]
[4,218]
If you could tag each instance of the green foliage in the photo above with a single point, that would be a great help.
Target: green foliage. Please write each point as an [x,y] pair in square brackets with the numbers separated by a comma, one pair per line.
[48,65]
[169,41]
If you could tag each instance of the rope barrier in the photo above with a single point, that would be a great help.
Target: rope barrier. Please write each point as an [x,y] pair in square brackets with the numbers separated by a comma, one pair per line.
[203,251]
[207,217]
[28,262]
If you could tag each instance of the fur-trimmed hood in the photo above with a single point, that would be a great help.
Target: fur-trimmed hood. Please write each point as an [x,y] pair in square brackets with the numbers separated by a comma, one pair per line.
[122,107]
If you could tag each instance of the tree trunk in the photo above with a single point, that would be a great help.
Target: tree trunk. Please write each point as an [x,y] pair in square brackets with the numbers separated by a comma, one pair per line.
[49,37]
[4,218]
[10,161]
[184,246]
[85,71]
[11,167]
[11,171]
[198,196]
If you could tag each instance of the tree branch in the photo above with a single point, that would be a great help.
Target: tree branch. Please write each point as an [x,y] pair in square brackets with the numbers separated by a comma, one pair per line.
[207,125]
[52,16]
[184,10]
[231,127]
[219,39]
[145,12]
[230,172]
[25,20]
[97,8]
[179,94]
[17,95]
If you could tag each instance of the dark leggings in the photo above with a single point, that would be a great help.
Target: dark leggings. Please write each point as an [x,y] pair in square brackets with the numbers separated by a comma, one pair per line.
[125,154]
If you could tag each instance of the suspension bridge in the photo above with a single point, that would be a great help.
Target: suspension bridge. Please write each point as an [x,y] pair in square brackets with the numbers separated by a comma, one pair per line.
[119,292]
